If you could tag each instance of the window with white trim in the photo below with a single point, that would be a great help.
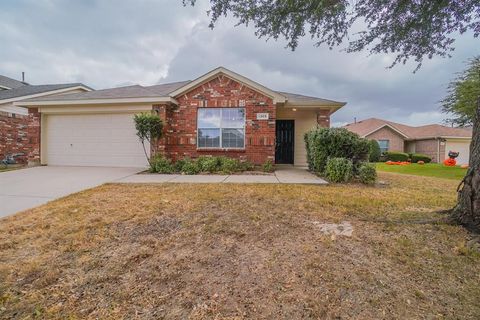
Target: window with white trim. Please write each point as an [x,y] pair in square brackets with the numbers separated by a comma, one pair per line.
[221,128]
[384,145]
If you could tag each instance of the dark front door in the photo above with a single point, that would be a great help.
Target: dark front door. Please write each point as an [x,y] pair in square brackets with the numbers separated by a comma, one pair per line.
[284,137]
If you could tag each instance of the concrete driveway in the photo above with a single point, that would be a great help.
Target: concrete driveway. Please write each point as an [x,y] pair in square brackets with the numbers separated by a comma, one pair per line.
[27,188]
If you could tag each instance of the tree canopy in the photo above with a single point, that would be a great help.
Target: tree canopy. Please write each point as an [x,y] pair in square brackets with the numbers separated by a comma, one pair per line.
[409,29]
[463,94]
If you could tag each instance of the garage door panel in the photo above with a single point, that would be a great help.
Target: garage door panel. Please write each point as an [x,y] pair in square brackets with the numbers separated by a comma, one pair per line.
[93,140]
[462,147]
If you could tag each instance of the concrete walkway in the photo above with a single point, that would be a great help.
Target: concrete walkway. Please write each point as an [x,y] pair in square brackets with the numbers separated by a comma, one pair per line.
[27,188]
[283,174]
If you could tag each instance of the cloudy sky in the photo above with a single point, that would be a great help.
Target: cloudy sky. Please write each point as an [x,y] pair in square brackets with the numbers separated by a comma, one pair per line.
[113,43]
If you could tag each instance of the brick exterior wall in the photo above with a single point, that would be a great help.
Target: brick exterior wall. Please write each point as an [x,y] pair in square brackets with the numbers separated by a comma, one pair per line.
[180,131]
[396,141]
[430,148]
[14,136]
[33,132]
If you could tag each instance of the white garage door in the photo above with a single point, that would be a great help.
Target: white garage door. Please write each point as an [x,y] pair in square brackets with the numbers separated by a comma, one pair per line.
[462,147]
[93,140]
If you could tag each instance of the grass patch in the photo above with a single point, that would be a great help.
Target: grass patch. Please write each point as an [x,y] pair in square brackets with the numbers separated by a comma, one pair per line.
[180,251]
[428,170]
[10,168]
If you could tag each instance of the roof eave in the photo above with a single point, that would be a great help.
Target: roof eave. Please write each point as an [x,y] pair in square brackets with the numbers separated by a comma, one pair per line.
[438,137]
[33,103]
[333,104]
[41,94]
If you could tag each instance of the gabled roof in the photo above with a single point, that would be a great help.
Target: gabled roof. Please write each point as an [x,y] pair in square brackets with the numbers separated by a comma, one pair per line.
[9,83]
[167,92]
[167,88]
[277,97]
[128,94]
[134,91]
[366,127]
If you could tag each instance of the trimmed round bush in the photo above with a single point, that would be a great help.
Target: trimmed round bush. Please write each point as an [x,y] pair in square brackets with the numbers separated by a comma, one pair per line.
[339,170]
[208,164]
[190,166]
[325,143]
[396,156]
[416,157]
[375,152]
[367,174]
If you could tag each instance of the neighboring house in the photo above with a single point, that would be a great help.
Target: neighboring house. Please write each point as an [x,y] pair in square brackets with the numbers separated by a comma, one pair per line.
[433,140]
[219,113]
[14,136]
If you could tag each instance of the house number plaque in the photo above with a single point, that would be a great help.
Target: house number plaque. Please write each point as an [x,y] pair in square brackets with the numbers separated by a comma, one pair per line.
[262,116]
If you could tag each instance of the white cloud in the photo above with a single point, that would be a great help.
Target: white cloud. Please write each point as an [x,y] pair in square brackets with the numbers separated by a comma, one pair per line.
[111,43]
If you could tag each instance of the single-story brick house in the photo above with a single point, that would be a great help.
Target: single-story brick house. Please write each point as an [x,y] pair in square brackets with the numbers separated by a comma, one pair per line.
[433,140]
[14,129]
[219,113]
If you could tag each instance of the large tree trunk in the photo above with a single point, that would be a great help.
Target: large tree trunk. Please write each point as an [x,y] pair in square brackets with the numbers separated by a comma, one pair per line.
[467,210]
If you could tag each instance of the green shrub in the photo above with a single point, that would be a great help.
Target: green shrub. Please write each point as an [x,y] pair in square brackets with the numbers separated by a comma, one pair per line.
[228,165]
[415,157]
[268,166]
[325,143]
[396,156]
[367,173]
[190,166]
[208,164]
[375,152]
[246,166]
[177,166]
[160,164]
[339,169]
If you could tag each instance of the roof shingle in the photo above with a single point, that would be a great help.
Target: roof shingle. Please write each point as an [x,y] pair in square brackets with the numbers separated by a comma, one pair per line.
[135,91]
[27,90]
[11,83]
[299,99]
[365,127]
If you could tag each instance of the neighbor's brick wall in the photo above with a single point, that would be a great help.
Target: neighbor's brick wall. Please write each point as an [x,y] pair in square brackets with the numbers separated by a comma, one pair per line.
[430,148]
[180,136]
[14,136]
[396,141]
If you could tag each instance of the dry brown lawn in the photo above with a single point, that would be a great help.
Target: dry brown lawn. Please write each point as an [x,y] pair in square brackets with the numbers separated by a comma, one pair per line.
[176,251]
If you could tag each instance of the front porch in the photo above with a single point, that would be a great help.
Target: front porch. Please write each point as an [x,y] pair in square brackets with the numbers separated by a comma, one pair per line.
[292,122]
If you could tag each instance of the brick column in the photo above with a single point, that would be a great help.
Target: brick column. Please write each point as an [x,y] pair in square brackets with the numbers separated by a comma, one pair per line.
[323,118]
[33,134]
[162,111]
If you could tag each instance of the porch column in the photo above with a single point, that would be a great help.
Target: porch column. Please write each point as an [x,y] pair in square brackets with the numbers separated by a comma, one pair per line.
[323,118]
